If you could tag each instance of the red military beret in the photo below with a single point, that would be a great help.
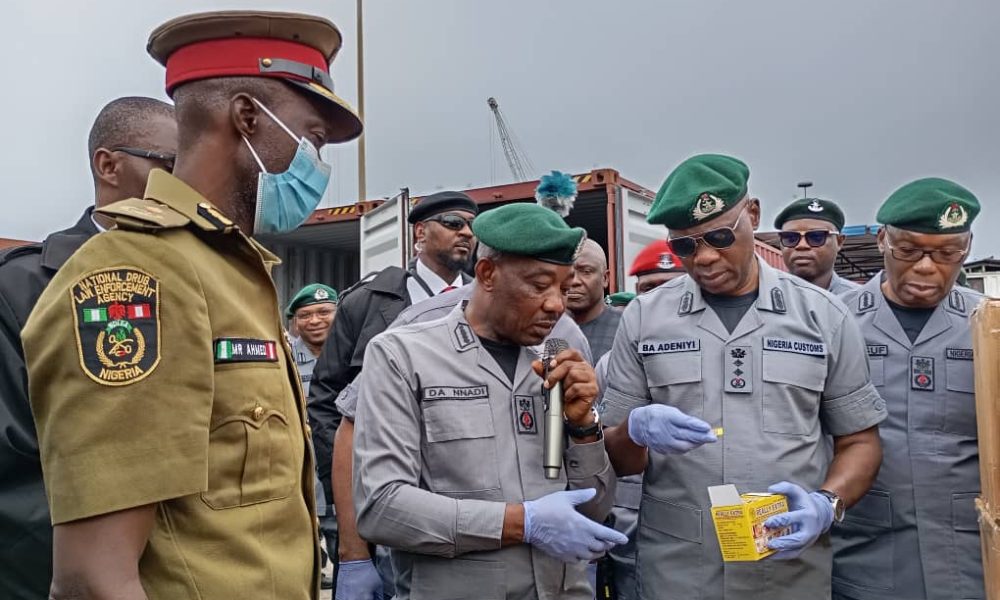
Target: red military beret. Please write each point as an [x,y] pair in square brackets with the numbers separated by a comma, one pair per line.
[655,258]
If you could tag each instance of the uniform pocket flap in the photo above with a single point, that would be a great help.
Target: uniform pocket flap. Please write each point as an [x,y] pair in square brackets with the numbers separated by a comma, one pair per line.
[803,371]
[669,369]
[680,521]
[458,420]
[629,493]
[960,376]
[437,578]
[963,512]
[874,508]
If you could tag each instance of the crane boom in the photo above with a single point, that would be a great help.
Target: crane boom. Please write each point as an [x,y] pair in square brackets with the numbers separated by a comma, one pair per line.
[519,163]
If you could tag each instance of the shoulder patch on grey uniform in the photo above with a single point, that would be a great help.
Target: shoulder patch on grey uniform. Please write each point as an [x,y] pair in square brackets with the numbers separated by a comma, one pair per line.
[778,300]
[866,301]
[687,300]
[667,346]
[878,350]
[795,346]
[464,336]
[956,301]
[959,353]
[443,392]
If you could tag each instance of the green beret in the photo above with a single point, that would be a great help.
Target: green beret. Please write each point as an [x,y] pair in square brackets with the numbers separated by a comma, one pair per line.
[529,230]
[930,205]
[314,293]
[811,208]
[700,189]
[619,299]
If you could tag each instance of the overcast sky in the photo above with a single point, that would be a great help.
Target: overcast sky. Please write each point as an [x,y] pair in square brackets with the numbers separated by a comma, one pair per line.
[858,96]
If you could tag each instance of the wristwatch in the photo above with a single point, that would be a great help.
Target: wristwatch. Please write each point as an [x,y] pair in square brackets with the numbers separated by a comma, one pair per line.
[839,510]
[594,428]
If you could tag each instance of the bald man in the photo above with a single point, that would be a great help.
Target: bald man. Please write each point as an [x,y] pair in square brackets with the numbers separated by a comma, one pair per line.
[585,299]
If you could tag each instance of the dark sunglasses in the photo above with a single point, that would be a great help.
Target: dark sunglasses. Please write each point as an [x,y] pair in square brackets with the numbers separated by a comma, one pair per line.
[166,159]
[815,238]
[452,222]
[720,239]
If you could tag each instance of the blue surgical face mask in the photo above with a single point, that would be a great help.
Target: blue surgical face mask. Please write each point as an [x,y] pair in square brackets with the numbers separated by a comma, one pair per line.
[285,200]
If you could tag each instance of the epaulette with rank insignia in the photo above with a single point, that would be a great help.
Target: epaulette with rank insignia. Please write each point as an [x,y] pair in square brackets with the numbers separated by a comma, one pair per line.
[137,214]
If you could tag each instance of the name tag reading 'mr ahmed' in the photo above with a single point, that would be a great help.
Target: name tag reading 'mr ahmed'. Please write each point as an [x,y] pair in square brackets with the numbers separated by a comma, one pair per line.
[455,393]
[795,346]
[666,346]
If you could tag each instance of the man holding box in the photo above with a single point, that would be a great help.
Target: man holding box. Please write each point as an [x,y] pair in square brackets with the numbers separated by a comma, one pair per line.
[915,534]
[767,357]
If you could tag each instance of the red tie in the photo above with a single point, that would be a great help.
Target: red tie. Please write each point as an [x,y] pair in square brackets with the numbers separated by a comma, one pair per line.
[448,289]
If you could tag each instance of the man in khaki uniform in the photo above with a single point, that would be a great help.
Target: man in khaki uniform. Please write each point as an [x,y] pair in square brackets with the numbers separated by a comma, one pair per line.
[169,415]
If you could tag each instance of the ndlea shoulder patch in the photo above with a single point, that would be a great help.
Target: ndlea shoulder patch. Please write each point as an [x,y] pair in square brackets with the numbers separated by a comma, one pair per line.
[117,316]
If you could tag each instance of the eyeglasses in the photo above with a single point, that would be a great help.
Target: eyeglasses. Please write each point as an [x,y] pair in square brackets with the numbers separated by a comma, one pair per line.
[720,239]
[166,159]
[452,222]
[942,256]
[815,238]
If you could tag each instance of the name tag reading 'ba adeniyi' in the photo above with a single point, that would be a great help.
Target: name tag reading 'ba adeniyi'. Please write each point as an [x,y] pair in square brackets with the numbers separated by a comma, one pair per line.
[795,346]
[667,346]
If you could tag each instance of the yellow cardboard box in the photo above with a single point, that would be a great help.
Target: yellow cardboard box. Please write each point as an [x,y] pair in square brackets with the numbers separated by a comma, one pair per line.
[739,522]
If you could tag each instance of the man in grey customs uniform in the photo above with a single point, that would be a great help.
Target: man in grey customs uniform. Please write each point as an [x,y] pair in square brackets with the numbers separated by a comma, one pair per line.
[810,236]
[449,437]
[772,360]
[915,534]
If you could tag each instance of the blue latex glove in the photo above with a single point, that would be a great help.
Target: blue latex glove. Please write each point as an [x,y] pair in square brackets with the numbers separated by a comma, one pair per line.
[358,580]
[809,515]
[552,525]
[666,430]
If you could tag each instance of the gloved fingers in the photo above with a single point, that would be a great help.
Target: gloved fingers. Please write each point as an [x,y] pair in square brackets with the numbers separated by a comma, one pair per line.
[674,446]
[577,497]
[585,556]
[792,541]
[607,534]
[795,517]
[696,436]
[797,497]
[686,421]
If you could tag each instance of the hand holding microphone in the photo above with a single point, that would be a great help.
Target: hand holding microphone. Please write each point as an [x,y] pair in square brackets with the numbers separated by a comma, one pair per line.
[572,390]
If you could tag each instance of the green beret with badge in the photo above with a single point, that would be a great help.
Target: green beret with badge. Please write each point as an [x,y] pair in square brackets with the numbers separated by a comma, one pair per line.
[314,293]
[529,230]
[700,189]
[811,208]
[930,205]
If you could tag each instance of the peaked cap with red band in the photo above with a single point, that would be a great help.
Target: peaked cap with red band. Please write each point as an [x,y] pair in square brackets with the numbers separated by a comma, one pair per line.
[294,48]
[657,257]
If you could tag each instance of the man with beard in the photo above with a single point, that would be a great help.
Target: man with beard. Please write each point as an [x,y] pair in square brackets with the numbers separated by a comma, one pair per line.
[442,228]
[585,299]
[810,240]
[170,423]
[770,359]
[449,445]
[129,137]
[916,534]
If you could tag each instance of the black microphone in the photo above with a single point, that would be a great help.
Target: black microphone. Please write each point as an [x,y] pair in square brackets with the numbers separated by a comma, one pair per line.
[554,428]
